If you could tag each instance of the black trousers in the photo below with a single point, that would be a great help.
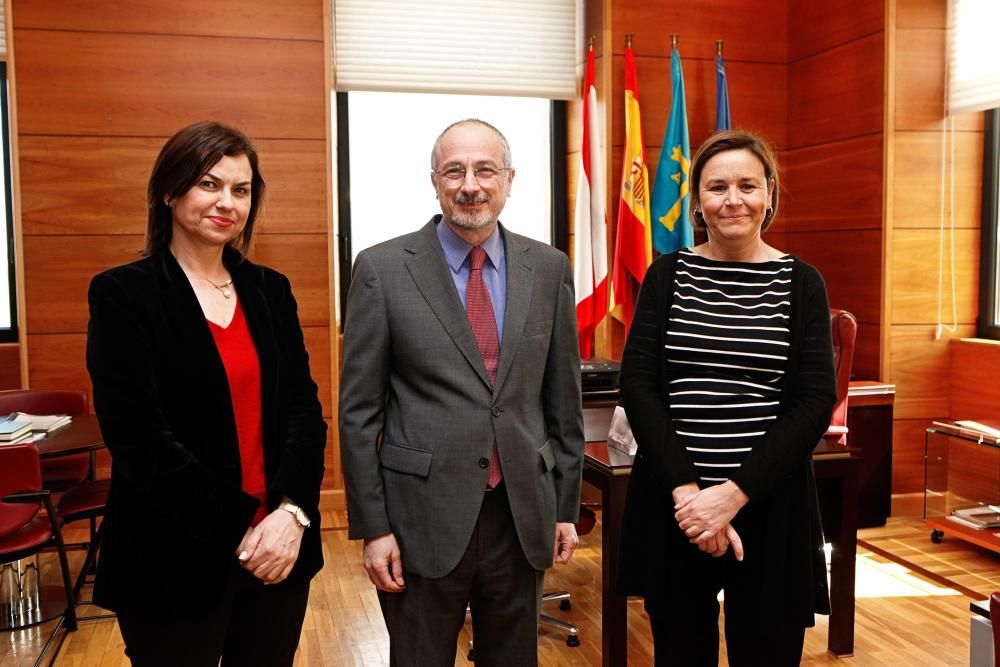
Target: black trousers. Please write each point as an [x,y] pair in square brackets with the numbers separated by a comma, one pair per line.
[251,625]
[685,620]
[501,588]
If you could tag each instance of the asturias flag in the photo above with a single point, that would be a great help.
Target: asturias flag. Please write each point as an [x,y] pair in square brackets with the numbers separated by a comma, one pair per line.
[671,190]
[722,121]
[633,252]
[591,224]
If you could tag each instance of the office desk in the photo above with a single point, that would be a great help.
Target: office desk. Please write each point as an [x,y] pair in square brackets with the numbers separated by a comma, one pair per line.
[608,469]
[83,434]
[26,601]
[869,424]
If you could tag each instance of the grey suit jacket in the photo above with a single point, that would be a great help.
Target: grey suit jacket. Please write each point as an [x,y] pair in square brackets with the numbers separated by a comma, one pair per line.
[418,414]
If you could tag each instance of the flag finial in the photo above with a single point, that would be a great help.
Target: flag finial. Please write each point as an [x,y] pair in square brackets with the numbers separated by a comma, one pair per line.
[628,40]
[718,46]
[590,43]
[673,41]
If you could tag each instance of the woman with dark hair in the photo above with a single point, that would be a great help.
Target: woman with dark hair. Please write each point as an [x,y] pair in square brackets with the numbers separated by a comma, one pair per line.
[204,396]
[728,383]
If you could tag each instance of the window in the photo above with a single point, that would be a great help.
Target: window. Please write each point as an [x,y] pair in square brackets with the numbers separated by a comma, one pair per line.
[383,162]
[8,293]
[989,265]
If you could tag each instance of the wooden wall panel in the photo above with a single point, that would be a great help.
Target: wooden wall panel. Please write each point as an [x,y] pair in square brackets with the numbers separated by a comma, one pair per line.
[110,175]
[921,14]
[752,31]
[836,94]
[975,391]
[920,76]
[317,340]
[303,258]
[918,187]
[908,454]
[850,263]
[58,361]
[58,271]
[74,83]
[756,94]
[832,187]
[820,26]
[920,370]
[10,366]
[290,19]
[915,256]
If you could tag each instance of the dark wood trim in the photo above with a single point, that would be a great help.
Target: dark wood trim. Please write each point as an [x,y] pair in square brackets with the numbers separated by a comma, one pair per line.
[8,335]
[559,187]
[343,202]
[987,324]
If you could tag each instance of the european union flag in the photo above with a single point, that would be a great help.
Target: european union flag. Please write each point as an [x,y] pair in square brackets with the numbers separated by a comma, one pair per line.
[722,121]
[671,199]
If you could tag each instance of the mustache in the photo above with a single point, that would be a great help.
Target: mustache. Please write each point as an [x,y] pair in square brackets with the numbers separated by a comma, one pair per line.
[480,198]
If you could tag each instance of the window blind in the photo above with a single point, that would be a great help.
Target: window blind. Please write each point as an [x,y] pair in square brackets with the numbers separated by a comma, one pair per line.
[973,56]
[3,31]
[525,48]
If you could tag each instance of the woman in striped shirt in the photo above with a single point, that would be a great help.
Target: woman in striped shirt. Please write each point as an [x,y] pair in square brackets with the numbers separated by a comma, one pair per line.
[728,382]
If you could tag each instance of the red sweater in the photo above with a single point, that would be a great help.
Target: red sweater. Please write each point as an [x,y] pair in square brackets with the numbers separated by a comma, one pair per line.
[239,356]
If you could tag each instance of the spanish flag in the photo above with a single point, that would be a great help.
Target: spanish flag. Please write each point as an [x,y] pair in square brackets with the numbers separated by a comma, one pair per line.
[633,243]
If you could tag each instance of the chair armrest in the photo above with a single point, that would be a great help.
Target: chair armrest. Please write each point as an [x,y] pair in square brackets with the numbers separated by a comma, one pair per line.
[28,497]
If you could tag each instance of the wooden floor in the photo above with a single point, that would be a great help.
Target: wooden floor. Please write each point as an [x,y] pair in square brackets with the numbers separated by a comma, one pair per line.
[903,618]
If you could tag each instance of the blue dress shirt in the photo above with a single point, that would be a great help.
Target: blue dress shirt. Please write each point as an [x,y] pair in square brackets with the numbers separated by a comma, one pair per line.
[456,253]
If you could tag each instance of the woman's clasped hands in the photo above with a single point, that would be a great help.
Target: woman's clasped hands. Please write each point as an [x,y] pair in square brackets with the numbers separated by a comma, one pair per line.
[705,516]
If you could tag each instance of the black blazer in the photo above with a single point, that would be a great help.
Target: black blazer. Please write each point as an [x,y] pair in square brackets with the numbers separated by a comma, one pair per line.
[785,559]
[176,512]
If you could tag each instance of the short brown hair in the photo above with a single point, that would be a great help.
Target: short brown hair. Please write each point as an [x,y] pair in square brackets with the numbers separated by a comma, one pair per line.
[735,140]
[184,159]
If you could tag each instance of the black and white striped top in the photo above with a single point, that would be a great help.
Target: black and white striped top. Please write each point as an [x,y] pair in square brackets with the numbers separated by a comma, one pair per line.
[726,345]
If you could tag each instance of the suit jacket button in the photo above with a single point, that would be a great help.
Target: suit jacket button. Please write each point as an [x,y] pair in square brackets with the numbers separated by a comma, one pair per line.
[497,412]
[484,463]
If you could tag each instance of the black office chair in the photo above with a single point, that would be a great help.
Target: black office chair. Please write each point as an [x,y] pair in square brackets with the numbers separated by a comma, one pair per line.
[585,524]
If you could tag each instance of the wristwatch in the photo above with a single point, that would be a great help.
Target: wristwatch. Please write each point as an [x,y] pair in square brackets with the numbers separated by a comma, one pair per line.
[301,517]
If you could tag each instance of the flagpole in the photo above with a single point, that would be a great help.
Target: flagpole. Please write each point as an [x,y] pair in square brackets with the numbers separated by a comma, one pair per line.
[673,41]
[718,46]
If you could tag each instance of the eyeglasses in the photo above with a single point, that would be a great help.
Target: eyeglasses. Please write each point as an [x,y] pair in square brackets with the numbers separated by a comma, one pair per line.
[484,175]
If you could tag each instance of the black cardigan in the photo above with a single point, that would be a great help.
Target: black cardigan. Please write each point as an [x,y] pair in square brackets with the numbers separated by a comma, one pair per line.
[176,511]
[776,475]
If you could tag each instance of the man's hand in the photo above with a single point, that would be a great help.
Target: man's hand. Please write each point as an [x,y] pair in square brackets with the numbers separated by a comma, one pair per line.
[384,563]
[705,514]
[566,541]
[269,550]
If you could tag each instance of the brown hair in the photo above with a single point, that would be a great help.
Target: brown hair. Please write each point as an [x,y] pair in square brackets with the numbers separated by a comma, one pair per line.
[735,140]
[184,159]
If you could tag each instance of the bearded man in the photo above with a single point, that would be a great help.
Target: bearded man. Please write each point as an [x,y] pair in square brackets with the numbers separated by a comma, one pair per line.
[461,431]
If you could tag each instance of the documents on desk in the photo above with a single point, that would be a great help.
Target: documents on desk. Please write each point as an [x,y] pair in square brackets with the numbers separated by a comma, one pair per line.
[44,423]
[978,516]
[620,434]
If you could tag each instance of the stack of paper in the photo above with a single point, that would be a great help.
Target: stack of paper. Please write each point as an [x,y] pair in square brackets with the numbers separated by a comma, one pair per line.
[12,431]
[43,423]
[979,517]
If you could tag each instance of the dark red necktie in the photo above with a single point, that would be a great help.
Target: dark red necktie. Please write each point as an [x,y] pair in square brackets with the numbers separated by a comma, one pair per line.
[484,327]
